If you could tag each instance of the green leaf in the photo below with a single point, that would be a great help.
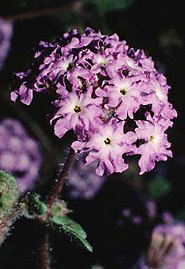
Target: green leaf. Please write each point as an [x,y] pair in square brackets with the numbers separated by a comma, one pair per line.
[105,6]
[159,187]
[72,229]
[8,192]
[70,224]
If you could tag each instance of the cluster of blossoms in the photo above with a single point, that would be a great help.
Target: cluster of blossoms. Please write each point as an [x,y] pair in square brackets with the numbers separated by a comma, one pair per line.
[110,95]
[6,30]
[167,248]
[83,182]
[19,154]
[152,214]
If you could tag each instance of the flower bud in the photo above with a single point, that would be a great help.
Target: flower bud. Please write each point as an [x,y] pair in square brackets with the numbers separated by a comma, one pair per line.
[59,209]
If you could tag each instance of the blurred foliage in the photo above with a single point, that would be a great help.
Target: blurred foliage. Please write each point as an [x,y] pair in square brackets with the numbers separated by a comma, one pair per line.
[96,267]
[72,19]
[158,187]
[105,6]
[181,215]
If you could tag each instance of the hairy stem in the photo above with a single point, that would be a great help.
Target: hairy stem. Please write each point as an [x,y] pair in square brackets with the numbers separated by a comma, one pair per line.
[44,258]
[60,181]
[44,249]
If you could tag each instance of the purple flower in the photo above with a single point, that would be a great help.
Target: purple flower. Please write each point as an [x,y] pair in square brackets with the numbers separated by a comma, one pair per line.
[83,182]
[152,214]
[19,153]
[166,250]
[131,217]
[151,208]
[123,95]
[6,30]
[167,217]
[25,94]
[76,110]
[110,95]
[156,146]
[126,212]
[107,145]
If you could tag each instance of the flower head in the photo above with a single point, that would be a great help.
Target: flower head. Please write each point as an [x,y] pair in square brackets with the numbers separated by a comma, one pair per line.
[19,154]
[166,250]
[110,95]
[6,30]
[155,146]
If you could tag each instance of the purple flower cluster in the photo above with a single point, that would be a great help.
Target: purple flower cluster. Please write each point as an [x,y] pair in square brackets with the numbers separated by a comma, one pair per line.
[110,95]
[19,154]
[167,248]
[83,182]
[152,215]
[6,30]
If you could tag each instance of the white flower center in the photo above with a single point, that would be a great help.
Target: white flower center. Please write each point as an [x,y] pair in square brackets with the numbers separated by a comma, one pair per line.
[154,139]
[101,60]
[159,93]
[131,63]
[65,65]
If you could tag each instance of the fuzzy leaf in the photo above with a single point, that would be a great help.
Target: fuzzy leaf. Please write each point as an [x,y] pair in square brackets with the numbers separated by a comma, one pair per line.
[35,205]
[8,192]
[72,229]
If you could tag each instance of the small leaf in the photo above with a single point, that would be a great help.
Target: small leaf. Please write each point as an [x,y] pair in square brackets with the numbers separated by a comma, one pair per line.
[159,187]
[70,224]
[72,229]
[35,205]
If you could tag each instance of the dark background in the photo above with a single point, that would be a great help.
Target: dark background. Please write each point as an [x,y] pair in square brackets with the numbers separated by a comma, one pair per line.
[158,28]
